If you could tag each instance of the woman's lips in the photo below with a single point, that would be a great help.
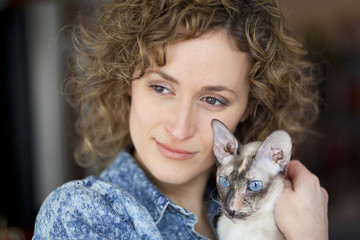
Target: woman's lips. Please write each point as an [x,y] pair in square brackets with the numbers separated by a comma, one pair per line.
[174,153]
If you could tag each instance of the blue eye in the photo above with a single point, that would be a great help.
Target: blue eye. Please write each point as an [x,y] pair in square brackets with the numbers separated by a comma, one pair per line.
[255,185]
[224,181]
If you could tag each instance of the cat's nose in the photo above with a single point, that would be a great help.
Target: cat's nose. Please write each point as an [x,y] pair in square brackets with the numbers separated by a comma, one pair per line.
[231,212]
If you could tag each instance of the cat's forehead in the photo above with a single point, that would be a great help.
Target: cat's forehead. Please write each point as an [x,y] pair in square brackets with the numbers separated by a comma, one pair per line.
[250,149]
[242,161]
[247,154]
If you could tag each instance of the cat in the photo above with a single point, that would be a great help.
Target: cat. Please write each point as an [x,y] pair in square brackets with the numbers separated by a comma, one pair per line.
[249,180]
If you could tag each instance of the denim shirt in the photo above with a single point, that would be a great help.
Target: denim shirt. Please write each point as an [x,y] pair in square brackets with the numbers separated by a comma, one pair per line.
[121,203]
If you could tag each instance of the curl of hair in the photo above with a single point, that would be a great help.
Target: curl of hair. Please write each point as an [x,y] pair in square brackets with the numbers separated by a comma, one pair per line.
[119,43]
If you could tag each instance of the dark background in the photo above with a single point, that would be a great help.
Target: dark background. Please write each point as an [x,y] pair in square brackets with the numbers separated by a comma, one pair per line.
[28,174]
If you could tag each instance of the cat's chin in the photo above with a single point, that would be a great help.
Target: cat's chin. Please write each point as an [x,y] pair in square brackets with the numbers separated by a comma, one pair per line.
[237,220]
[237,217]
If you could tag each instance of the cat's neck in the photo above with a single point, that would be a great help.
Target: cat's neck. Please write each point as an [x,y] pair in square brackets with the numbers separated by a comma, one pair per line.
[256,227]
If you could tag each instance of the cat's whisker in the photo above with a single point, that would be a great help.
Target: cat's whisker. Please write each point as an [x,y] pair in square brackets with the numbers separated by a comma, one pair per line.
[215,196]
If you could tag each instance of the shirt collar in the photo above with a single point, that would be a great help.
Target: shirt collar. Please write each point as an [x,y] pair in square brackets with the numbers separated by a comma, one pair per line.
[125,173]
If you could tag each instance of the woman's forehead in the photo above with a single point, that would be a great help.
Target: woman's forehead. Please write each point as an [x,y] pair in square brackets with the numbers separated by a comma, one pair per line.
[210,57]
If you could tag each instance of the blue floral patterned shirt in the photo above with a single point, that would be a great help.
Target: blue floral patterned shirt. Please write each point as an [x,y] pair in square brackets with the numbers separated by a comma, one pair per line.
[121,203]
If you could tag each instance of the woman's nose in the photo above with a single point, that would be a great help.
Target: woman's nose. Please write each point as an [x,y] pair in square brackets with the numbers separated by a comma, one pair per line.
[181,122]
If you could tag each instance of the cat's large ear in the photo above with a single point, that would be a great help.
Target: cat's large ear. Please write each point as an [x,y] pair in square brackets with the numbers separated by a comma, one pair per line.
[225,144]
[275,152]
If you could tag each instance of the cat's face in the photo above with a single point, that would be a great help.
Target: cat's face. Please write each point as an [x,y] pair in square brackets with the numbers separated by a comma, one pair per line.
[248,174]
[233,179]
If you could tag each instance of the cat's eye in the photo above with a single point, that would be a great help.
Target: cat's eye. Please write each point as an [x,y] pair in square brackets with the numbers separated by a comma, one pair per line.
[223,181]
[255,185]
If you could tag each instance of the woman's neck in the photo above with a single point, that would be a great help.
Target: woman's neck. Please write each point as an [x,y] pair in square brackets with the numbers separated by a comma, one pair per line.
[189,195]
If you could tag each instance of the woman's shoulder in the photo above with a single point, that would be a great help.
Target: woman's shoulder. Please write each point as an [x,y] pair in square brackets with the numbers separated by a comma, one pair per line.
[87,194]
[91,208]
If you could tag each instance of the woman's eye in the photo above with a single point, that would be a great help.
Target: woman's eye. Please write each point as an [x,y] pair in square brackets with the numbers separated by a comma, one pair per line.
[160,89]
[223,181]
[255,185]
[213,101]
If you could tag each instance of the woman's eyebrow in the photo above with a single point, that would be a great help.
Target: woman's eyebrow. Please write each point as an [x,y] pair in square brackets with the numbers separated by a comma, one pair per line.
[164,75]
[216,88]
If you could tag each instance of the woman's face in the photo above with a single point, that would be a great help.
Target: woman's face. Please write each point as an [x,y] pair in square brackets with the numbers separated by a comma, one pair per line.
[172,107]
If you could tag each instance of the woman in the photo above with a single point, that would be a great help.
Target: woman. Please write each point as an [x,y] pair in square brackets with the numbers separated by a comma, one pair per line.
[151,76]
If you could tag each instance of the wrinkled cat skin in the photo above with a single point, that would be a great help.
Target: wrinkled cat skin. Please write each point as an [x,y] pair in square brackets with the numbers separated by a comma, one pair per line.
[250,178]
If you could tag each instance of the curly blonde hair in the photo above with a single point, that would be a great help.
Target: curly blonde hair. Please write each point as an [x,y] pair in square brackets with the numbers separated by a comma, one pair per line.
[118,44]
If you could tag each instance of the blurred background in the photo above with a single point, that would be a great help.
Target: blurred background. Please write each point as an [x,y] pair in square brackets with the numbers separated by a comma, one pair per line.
[36,124]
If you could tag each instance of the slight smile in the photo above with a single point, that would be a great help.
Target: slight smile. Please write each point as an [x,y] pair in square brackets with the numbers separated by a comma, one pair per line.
[174,153]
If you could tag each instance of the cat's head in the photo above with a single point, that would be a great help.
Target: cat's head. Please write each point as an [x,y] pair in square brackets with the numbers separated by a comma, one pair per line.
[249,176]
